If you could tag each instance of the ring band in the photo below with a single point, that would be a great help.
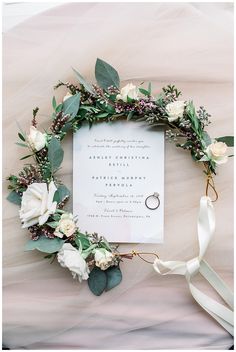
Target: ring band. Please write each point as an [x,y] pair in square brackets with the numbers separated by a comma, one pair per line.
[154,195]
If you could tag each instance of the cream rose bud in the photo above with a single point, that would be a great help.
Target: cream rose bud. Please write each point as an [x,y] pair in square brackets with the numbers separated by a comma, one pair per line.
[37,204]
[216,151]
[68,95]
[130,91]
[175,110]
[103,258]
[66,226]
[69,257]
[36,139]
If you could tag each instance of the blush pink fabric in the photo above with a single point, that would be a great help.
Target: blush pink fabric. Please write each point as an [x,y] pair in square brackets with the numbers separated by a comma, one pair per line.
[188,44]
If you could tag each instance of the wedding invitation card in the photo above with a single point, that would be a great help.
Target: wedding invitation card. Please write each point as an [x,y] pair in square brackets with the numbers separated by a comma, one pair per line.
[116,167]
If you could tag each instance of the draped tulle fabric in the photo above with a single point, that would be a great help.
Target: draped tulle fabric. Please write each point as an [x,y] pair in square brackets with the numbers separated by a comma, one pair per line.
[188,44]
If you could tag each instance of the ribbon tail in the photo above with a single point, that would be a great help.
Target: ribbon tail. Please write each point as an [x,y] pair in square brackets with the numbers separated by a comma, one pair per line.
[206,227]
[223,315]
[217,283]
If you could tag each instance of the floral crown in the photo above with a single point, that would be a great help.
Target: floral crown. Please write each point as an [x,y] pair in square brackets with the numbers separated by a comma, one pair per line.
[42,196]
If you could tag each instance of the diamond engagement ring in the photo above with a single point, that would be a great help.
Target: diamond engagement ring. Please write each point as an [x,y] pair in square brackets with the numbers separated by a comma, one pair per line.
[152,202]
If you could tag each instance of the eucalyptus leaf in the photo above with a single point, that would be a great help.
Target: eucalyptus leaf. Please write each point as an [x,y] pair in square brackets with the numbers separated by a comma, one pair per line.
[53,224]
[14,197]
[193,156]
[82,240]
[204,158]
[229,140]
[114,277]
[61,193]
[102,115]
[144,91]
[190,110]
[130,100]
[97,281]
[26,156]
[206,138]
[55,153]
[22,145]
[89,250]
[59,107]
[82,81]
[54,103]
[149,88]
[106,244]
[71,105]
[130,115]
[21,137]
[106,75]
[110,109]
[67,127]
[44,244]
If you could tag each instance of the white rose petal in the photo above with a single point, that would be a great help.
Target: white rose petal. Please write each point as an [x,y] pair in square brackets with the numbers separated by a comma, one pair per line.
[36,139]
[130,91]
[66,226]
[103,258]
[69,257]
[37,204]
[175,110]
[216,151]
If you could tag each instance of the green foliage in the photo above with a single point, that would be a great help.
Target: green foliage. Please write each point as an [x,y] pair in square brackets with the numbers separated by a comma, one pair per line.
[130,115]
[102,115]
[46,171]
[146,92]
[55,154]
[82,241]
[54,103]
[206,138]
[21,137]
[97,281]
[26,156]
[104,280]
[171,92]
[105,244]
[114,277]
[228,140]
[190,110]
[106,75]
[22,145]
[14,197]
[44,244]
[59,108]
[71,105]
[52,224]
[82,81]
[35,111]
[61,193]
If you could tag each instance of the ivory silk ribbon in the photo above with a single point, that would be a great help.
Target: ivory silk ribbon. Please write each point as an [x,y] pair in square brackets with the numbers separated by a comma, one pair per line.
[206,228]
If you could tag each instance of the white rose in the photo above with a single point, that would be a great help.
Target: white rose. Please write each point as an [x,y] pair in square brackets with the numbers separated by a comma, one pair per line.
[37,204]
[216,151]
[36,139]
[103,258]
[175,110]
[68,95]
[69,257]
[66,226]
[130,91]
